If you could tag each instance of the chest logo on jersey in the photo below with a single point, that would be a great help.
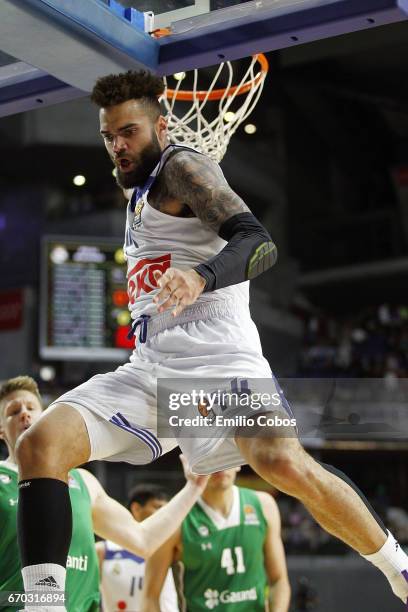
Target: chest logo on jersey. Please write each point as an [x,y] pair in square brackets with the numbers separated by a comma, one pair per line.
[141,278]
[251,517]
[214,598]
[116,569]
[137,219]
[203,531]
[5,479]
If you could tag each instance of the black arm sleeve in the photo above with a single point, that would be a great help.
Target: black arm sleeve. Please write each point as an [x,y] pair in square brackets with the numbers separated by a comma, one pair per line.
[249,252]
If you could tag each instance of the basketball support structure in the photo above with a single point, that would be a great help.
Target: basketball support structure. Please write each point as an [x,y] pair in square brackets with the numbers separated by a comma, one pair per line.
[63,46]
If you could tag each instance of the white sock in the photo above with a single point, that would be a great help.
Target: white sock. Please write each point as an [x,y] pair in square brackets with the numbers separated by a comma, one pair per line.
[392,561]
[44,578]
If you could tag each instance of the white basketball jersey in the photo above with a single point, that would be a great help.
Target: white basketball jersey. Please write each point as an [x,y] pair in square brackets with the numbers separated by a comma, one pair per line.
[157,241]
[122,582]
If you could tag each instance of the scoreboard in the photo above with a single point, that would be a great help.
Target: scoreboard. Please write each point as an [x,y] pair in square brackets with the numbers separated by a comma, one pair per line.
[83,300]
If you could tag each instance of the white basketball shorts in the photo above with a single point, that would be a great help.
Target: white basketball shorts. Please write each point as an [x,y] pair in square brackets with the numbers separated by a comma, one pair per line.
[210,340]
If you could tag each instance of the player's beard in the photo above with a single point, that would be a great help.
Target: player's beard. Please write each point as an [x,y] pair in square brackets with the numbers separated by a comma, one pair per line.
[144,163]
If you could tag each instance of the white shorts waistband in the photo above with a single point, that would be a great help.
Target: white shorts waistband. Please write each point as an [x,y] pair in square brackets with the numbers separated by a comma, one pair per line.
[195,312]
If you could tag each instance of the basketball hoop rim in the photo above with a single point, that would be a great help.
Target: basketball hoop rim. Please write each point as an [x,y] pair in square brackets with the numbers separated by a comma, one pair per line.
[189,95]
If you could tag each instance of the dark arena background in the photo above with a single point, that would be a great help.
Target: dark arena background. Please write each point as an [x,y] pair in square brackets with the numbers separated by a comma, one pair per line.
[323,163]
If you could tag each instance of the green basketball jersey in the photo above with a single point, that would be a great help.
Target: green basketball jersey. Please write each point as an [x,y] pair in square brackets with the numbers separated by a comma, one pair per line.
[223,565]
[82,583]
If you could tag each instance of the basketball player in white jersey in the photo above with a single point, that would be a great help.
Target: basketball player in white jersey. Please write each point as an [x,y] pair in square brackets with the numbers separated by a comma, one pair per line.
[121,572]
[191,246]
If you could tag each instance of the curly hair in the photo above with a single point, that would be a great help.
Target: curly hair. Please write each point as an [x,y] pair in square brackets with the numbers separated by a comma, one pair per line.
[19,383]
[131,85]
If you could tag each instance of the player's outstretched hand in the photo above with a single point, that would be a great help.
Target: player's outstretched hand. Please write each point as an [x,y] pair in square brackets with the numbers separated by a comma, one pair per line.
[195,479]
[178,288]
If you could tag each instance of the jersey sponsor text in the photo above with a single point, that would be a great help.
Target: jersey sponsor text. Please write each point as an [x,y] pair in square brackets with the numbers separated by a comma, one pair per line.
[214,598]
[141,278]
[78,563]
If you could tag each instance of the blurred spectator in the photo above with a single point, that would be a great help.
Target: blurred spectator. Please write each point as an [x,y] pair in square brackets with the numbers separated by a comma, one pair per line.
[302,535]
[397,520]
[372,343]
[305,596]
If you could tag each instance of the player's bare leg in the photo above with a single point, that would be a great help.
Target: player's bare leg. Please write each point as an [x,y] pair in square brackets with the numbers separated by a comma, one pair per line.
[336,505]
[55,444]
[45,453]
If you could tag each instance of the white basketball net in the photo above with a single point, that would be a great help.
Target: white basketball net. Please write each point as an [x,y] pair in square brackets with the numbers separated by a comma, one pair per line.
[212,136]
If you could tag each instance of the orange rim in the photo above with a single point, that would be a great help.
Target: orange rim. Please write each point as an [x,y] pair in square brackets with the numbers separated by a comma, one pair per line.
[160,32]
[217,94]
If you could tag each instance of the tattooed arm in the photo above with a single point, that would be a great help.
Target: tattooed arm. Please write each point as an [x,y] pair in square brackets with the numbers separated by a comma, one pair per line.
[198,182]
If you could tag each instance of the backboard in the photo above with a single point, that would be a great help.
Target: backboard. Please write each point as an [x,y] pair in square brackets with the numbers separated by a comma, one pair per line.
[55,49]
